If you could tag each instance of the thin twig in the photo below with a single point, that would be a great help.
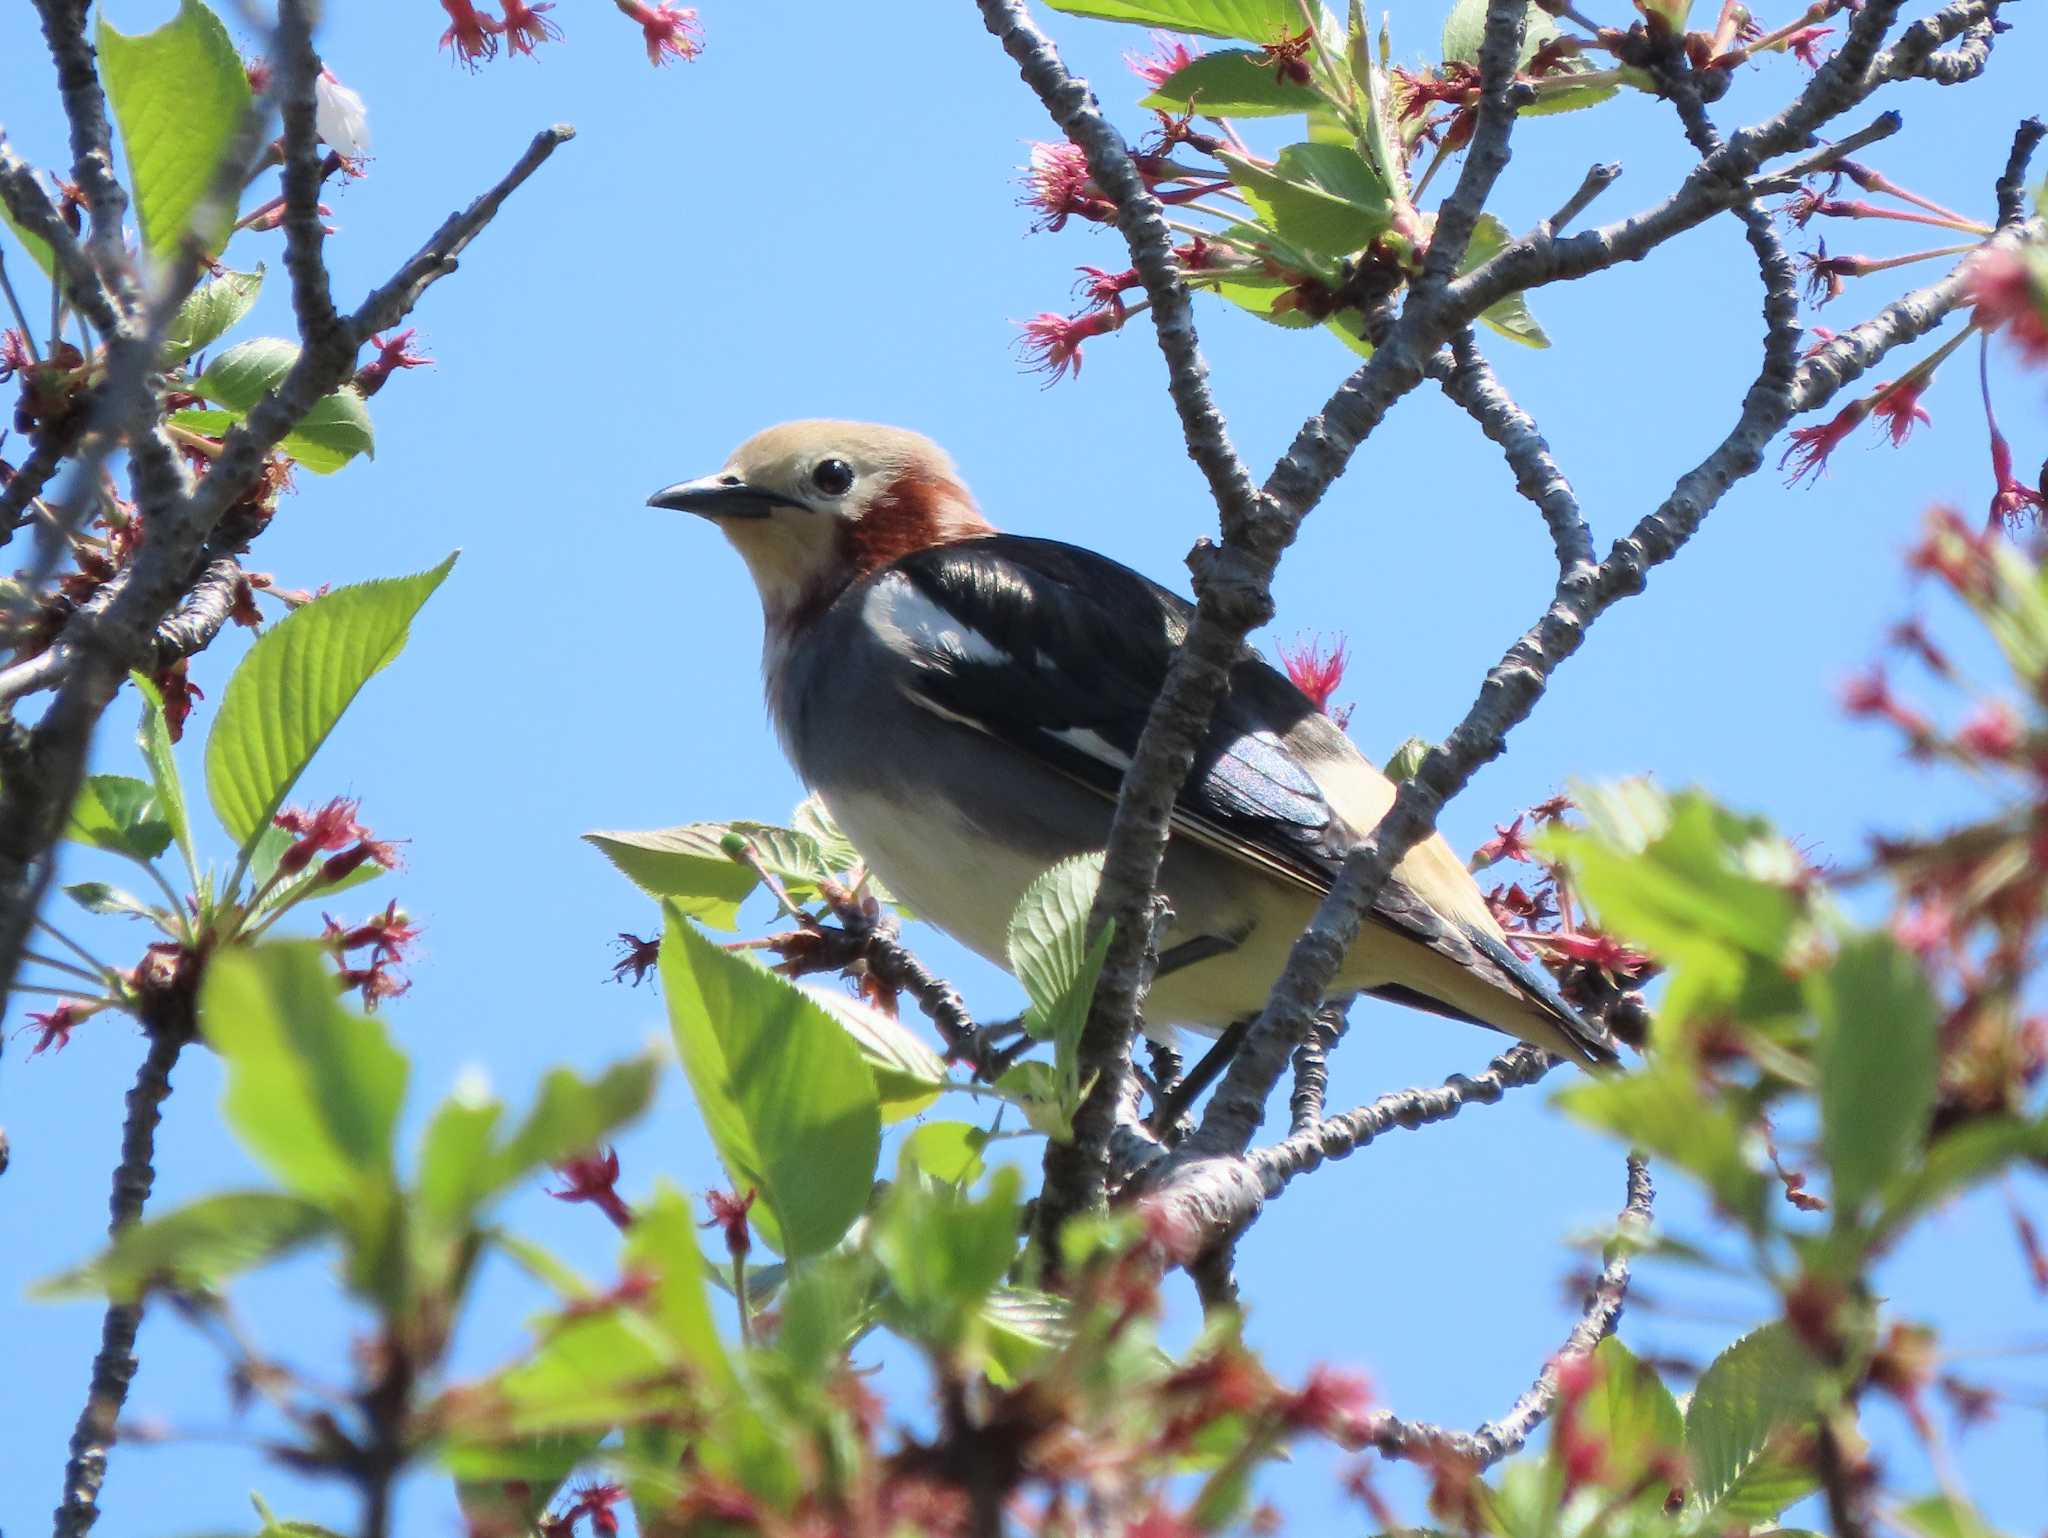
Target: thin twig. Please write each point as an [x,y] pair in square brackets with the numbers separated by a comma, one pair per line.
[2011,190]
[115,1365]
[1597,181]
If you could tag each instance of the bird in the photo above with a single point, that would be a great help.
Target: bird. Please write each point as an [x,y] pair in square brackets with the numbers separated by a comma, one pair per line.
[966,702]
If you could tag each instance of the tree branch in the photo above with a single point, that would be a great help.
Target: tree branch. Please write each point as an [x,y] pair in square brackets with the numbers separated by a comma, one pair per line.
[1472,383]
[92,159]
[1496,1439]
[115,1365]
[2011,190]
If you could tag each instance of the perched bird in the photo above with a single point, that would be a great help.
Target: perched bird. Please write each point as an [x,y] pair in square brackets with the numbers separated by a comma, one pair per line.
[966,703]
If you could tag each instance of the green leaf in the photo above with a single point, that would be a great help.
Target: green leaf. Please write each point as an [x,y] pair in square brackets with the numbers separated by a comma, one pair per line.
[789,1103]
[1661,1109]
[573,1115]
[293,686]
[1020,1328]
[944,1251]
[1407,759]
[99,897]
[325,438]
[663,1244]
[685,865]
[1957,1160]
[209,312]
[194,1248]
[118,813]
[1321,197]
[1254,21]
[1051,955]
[313,1092]
[946,1151]
[1634,1413]
[1878,1054]
[505,1488]
[454,1159]
[908,1074]
[1465,30]
[1944,1516]
[590,1374]
[179,95]
[1750,1394]
[1231,83]
[153,736]
[1046,1100]
[813,819]
[38,248]
[275,1526]
[1509,316]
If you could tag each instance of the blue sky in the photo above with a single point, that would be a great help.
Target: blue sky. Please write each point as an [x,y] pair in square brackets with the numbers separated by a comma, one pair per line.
[818,217]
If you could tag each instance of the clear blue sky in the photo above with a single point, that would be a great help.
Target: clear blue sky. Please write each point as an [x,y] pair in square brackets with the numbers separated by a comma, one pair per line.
[817,217]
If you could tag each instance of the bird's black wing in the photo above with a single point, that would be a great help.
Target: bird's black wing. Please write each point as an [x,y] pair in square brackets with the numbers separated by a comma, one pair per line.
[1060,651]
[1067,650]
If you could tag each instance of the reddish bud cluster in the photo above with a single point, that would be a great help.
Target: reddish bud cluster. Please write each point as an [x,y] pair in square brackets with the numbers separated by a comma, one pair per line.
[638,958]
[332,827]
[729,1217]
[668,31]
[593,1178]
[392,354]
[53,1027]
[1051,342]
[1170,55]
[1317,673]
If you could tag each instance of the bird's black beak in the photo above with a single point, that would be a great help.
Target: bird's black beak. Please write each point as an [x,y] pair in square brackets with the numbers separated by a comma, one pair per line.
[717,496]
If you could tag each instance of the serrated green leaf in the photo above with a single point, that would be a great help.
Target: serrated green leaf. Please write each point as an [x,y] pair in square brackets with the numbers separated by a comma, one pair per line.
[1320,197]
[789,1103]
[1051,955]
[1020,1328]
[209,312]
[1752,1393]
[908,1074]
[1878,1052]
[813,819]
[153,736]
[1231,82]
[118,813]
[1955,1161]
[1407,759]
[333,432]
[179,95]
[1253,21]
[685,865]
[1039,1092]
[292,688]
[313,1092]
[195,1247]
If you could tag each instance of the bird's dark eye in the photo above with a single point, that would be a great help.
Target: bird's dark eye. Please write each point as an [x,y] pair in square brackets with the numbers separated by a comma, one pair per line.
[834,477]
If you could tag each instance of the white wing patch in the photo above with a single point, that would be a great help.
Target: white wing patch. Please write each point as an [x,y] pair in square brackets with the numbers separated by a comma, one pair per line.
[1094,744]
[908,621]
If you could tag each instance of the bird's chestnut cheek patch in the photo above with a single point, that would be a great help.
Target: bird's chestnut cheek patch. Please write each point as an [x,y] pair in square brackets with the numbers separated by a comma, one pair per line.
[913,512]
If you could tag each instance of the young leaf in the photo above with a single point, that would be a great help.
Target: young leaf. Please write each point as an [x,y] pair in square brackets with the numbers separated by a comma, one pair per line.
[209,312]
[38,248]
[153,736]
[1878,1055]
[1231,82]
[1758,1388]
[1050,954]
[293,686]
[1634,1413]
[944,1251]
[194,1248]
[1509,316]
[99,897]
[1661,1109]
[686,865]
[572,1115]
[1253,21]
[1465,30]
[908,1074]
[326,437]
[179,95]
[118,813]
[313,1092]
[1944,1516]
[790,1105]
[1321,197]
[946,1151]
[663,1244]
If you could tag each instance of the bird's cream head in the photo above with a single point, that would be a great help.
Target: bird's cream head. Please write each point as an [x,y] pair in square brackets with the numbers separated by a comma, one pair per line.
[814,506]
